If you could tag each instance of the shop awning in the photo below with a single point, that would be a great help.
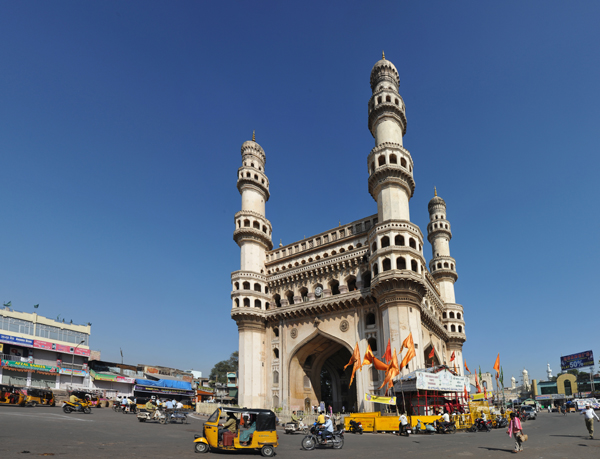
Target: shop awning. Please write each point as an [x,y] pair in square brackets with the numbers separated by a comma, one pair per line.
[28,366]
[161,390]
[170,383]
[107,376]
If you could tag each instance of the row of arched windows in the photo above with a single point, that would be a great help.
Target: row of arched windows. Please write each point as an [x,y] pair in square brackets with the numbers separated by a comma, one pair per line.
[252,165]
[246,302]
[317,258]
[393,159]
[445,265]
[451,315]
[386,265]
[255,224]
[441,225]
[453,328]
[249,175]
[333,285]
[246,286]
[398,240]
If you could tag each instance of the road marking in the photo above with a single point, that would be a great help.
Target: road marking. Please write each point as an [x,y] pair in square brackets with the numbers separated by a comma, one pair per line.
[50,414]
[190,416]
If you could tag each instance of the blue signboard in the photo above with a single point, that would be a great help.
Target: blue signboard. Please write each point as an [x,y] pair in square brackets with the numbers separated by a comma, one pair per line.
[16,340]
[583,359]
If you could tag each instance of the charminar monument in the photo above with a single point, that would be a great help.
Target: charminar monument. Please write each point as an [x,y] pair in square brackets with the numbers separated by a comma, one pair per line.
[301,308]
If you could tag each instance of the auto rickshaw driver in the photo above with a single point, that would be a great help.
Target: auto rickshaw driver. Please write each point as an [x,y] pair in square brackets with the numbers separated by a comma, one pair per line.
[230,424]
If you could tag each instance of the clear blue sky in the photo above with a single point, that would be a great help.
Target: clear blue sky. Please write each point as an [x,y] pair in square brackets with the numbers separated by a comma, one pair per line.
[120,132]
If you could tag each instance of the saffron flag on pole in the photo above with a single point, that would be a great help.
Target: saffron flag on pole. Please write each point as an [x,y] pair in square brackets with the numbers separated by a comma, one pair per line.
[466,367]
[388,353]
[452,357]
[379,365]
[368,356]
[355,360]
[477,384]
[497,366]
[432,353]
[410,345]
[392,371]
[466,394]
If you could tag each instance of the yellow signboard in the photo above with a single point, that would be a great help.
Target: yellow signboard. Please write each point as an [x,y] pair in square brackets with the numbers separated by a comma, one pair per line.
[1,348]
[380,399]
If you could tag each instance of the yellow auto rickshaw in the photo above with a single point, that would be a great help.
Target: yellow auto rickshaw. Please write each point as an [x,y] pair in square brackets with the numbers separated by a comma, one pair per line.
[11,395]
[255,430]
[40,397]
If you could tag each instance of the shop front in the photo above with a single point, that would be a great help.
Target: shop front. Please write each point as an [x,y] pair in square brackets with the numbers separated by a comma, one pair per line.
[28,374]
[164,389]
[112,385]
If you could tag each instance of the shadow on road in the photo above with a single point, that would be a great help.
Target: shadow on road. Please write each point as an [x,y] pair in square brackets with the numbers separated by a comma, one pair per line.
[574,436]
[497,449]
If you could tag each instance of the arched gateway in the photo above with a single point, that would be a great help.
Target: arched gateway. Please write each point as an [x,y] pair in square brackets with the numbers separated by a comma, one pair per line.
[302,308]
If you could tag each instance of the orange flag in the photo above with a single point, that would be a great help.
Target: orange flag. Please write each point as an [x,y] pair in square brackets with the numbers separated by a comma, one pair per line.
[485,392]
[368,356]
[477,384]
[432,353]
[388,353]
[410,345]
[466,395]
[466,367]
[379,365]
[452,357]
[392,371]
[355,359]
[497,365]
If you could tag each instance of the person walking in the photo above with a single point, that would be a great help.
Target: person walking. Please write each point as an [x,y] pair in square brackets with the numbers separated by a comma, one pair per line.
[590,414]
[514,427]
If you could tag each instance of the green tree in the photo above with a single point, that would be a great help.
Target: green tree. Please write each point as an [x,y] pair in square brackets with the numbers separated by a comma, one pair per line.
[219,372]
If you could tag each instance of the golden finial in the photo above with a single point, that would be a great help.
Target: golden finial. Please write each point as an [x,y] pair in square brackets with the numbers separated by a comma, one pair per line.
[383,55]
[340,222]
[253,136]
[434,191]
[280,244]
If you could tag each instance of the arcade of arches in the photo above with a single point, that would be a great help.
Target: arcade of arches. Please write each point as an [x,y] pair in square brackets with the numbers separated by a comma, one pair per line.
[317,374]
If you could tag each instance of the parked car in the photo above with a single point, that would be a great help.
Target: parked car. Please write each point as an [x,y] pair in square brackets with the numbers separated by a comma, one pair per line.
[529,411]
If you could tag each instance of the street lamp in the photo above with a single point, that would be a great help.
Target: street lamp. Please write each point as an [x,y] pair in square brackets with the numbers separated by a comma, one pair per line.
[73,361]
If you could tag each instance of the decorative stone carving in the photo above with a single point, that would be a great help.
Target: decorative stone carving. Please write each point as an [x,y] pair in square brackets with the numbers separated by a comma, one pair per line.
[294,333]
[344,326]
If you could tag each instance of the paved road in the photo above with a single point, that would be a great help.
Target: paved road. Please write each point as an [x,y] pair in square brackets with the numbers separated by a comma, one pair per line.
[106,434]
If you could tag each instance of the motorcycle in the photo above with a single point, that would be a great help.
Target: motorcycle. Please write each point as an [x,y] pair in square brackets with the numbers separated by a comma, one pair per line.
[481,426]
[355,427]
[83,406]
[178,416]
[501,422]
[156,415]
[293,427]
[318,437]
[446,427]
[404,430]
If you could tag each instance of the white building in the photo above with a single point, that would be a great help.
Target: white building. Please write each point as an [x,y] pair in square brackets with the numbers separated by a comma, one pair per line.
[301,308]
[41,352]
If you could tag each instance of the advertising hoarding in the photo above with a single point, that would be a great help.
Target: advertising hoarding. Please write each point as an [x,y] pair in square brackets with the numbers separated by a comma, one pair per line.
[583,359]
[39,344]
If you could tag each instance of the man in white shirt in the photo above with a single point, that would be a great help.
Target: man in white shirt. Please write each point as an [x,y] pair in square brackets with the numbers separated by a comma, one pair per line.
[446,417]
[589,419]
[403,421]
[179,405]
[328,426]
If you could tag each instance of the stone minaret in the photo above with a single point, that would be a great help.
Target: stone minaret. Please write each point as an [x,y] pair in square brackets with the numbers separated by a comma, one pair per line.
[396,258]
[442,265]
[250,292]
[443,270]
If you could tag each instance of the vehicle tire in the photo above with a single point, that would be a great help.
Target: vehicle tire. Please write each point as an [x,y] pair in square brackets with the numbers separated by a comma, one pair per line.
[67,409]
[308,443]
[338,442]
[163,420]
[141,420]
[472,429]
[360,432]
[87,410]
[267,451]
[201,447]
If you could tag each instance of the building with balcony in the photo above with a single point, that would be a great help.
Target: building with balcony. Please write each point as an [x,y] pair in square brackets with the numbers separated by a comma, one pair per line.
[36,351]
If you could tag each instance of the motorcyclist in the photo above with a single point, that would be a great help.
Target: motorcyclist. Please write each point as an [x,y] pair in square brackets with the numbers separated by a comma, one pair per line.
[295,419]
[150,406]
[321,418]
[328,427]
[76,402]
[403,421]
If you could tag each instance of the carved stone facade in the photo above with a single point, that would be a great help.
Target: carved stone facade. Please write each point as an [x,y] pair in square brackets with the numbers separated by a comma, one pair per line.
[301,308]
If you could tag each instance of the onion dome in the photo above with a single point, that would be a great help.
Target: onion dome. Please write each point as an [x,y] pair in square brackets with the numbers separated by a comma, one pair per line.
[251,147]
[436,201]
[384,70]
